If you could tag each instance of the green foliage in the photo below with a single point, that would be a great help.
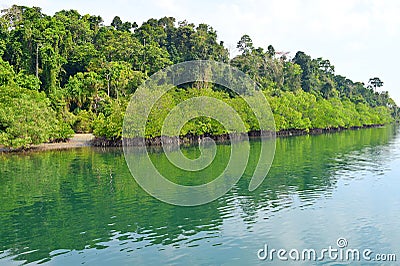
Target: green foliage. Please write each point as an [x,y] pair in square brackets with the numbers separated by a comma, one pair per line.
[6,73]
[25,117]
[303,110]
[62,131]
[83,122]
[110,126]
[27,81]
[56,66]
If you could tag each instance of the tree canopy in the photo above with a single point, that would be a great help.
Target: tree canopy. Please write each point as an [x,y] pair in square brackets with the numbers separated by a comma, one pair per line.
[70,71]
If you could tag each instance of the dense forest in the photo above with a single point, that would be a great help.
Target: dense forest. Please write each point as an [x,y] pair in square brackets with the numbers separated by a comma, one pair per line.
[71,73]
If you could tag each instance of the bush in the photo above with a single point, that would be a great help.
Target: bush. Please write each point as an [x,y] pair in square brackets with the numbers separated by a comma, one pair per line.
[110,126]
[84,122]
[26,118]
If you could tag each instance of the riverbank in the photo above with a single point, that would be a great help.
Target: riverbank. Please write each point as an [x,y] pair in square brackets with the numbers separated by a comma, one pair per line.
[86,140]
[77,141]
[193,139]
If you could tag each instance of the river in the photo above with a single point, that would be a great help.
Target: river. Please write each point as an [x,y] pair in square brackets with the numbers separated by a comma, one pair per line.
[82,206]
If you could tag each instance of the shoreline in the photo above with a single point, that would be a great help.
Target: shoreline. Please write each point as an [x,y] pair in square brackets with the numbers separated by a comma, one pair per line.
[194,139]
[89,140]
[77,141]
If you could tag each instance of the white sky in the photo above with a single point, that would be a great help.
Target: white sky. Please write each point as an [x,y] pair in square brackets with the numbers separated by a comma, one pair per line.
[360,37]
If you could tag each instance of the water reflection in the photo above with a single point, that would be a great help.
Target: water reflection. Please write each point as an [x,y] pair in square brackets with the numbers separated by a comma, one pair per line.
[80,202]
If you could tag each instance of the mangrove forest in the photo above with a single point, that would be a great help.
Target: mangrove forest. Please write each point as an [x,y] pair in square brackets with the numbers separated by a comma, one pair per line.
[70,73]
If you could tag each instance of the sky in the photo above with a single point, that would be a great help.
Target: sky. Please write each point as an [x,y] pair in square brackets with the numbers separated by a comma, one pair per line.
[359,37]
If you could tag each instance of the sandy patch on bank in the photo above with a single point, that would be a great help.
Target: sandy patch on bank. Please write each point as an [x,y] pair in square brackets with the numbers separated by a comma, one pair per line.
[78,140]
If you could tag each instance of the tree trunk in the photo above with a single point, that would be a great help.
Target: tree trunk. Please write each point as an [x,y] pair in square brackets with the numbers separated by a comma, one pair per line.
[37,60]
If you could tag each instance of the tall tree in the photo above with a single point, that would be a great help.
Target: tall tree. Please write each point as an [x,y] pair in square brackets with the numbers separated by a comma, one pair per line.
[245,44]
[375,83]
[308,80]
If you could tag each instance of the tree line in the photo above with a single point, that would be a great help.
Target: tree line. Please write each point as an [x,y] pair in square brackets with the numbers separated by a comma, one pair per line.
[71,73]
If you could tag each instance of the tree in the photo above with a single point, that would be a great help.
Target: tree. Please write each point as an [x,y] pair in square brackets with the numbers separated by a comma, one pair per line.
[76,69]
[271,50]
[26,116]
[122,26]
[116,23]
[375,83]
[82,90]
[308,80]
[116,45]
[292,78]
[205,46]
[245,44]
[4,35]
[326,66]
[95,22]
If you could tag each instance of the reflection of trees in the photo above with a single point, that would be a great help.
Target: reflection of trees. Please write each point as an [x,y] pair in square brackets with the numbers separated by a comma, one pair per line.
[84,198]
[309,166]
[78,199]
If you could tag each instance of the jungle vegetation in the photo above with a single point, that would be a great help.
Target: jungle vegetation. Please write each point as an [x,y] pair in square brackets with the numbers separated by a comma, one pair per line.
[69,73]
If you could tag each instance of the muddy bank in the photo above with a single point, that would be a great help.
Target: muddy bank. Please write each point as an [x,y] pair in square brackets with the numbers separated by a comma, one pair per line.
[157,141]
[85,140]
[316,131]
[192,139]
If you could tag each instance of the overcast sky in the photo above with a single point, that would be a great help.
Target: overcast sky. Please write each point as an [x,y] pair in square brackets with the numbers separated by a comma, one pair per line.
[361,38]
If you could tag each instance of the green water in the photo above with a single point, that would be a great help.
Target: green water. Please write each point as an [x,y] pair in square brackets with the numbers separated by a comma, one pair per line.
[83,207]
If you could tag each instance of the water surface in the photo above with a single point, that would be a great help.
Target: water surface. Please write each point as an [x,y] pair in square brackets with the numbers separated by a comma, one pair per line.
[83,207]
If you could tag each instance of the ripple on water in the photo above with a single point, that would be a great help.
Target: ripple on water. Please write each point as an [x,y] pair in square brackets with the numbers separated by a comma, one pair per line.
[65,207]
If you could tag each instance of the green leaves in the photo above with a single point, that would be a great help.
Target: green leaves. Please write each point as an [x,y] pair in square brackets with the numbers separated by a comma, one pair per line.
[245,44]
[26,117]
[110,127]
[89,71]
[302,110]
[375,83]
